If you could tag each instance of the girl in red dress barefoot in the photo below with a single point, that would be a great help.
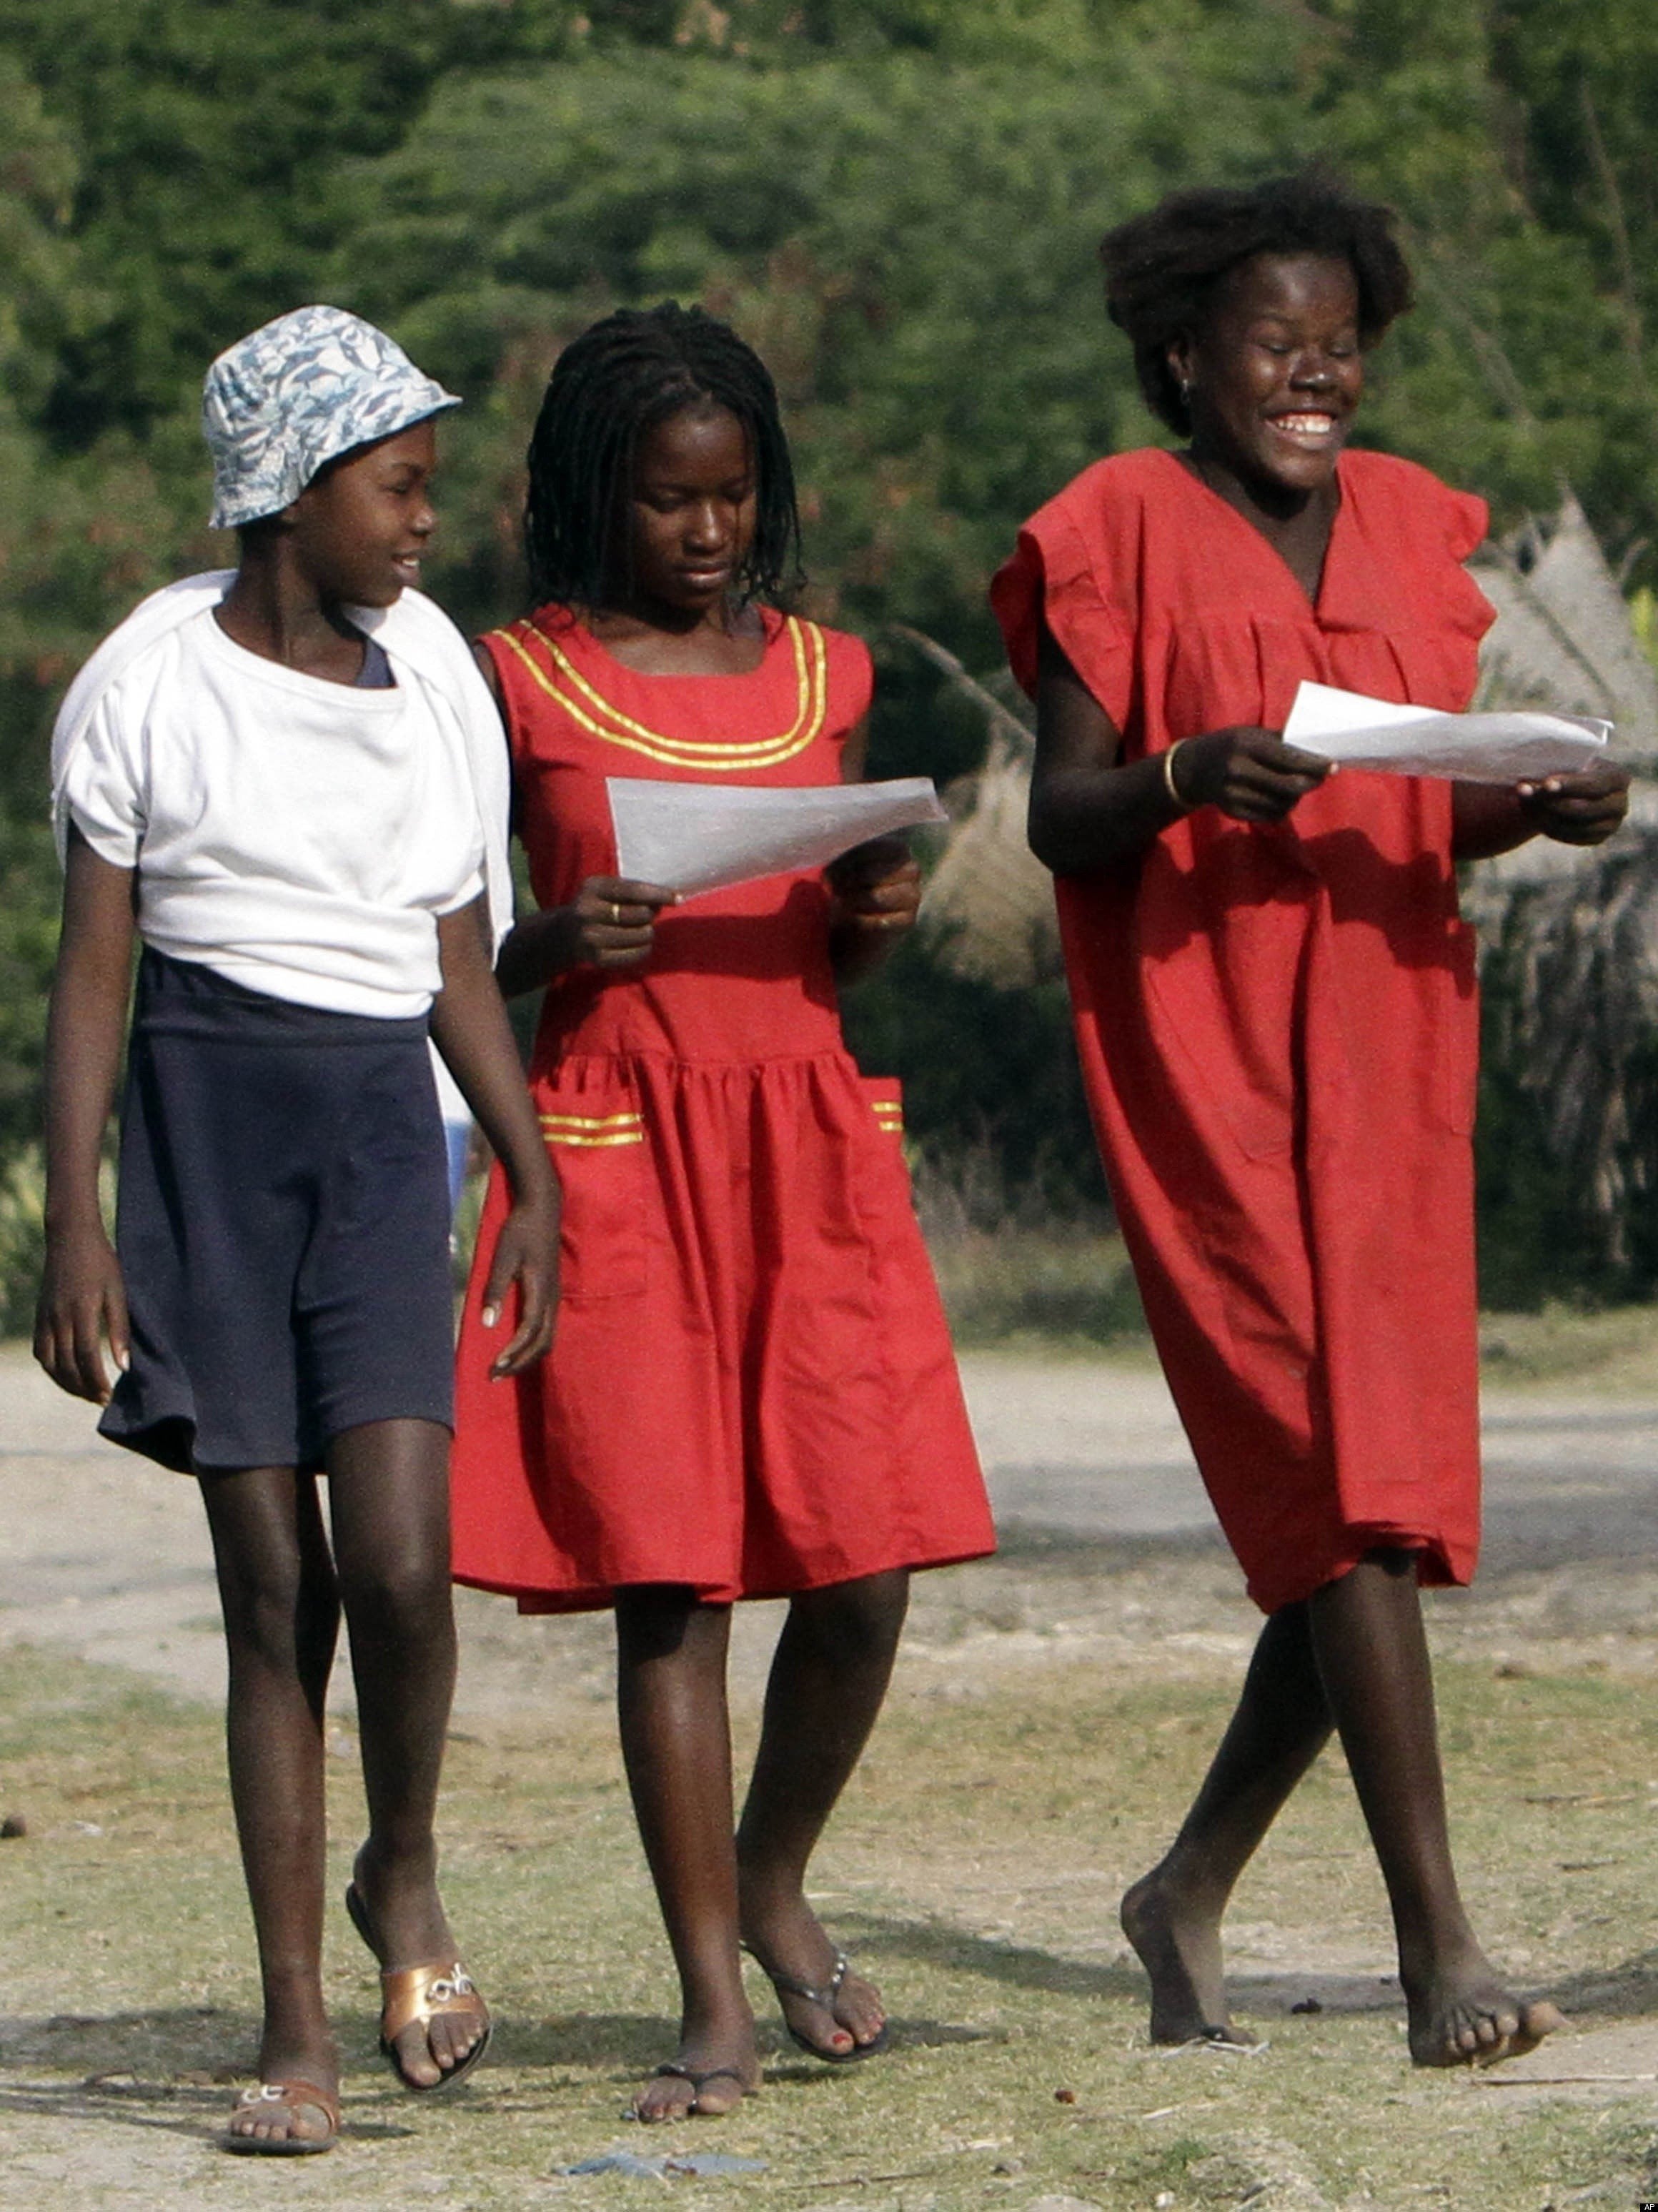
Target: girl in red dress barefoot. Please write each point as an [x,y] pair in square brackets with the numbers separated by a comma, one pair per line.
[1275,1010]
[751,1392]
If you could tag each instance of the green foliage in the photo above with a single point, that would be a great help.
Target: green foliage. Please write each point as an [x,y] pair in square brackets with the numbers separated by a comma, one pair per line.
[1522,365]
[38,175]
[899,201]
[933,321]
[207,189]
[910,241]
[987,1072]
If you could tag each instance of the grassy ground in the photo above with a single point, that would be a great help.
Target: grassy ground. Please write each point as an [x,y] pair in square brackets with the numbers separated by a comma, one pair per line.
[1045,1290]
[1023,1289]
[1015,1785]
[1613,1350]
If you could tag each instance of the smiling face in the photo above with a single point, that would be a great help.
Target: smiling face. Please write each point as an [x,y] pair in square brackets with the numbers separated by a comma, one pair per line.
[358,531]
[1274,376]
[691,511]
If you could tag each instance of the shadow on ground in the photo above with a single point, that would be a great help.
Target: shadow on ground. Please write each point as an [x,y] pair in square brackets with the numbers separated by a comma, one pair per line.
[1626,1991]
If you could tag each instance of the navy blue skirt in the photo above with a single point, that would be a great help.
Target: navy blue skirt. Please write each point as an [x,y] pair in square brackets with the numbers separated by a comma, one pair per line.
[283,1226]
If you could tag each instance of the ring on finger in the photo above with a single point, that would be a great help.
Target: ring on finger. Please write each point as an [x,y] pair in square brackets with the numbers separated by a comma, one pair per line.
[616,913]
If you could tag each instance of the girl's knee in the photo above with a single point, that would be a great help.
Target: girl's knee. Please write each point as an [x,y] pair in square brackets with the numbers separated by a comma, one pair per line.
[862,1618]
[276,1576]
[401,1594]
[668,1620]
[277,1611]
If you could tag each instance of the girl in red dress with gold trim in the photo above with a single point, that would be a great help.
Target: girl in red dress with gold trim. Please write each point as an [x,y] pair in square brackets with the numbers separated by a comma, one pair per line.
[751,1392]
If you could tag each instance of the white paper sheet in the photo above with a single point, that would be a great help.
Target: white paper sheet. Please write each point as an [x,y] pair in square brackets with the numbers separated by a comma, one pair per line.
[702,836]
[1377,733]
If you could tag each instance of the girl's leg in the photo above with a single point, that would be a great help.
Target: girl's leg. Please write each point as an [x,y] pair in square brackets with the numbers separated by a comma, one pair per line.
[1373,1658]
[676,1744]
[281,1617]
[1172,1916]
[1354,1657]
[389,1497]
[831,1672]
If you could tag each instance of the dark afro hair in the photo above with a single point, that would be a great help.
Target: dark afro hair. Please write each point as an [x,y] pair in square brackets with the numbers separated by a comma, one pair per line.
[1162,269]
[615,382]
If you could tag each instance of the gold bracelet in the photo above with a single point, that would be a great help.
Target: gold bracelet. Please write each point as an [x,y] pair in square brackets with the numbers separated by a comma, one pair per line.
[1168,783]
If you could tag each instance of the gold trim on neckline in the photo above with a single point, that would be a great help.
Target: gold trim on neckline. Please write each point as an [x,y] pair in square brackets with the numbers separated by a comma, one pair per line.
[601,718]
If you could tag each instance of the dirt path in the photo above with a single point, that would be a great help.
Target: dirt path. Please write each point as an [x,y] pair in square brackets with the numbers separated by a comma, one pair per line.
[107,1558]
[1111,1574]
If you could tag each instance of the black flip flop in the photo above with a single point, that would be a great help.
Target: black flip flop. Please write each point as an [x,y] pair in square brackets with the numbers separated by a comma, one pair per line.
[789,1985]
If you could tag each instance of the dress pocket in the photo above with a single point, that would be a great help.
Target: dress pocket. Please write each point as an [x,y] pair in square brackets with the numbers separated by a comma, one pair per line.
[596,1135]
[885,1096]
[880,1190]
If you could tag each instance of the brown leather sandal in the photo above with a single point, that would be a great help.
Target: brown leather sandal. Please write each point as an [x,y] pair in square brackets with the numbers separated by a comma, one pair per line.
[441,1989]
[290,2097]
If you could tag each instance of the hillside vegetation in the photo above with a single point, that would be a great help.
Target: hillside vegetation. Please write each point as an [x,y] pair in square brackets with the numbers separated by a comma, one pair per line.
[898,200]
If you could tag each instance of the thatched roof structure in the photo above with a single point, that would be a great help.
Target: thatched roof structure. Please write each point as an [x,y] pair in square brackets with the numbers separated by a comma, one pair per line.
[1572,976]
[1562,637]
[1572,938]
[989,901]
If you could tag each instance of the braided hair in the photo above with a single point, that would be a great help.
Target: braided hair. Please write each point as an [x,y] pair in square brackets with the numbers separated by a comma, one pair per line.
[1164,268]
[618,380]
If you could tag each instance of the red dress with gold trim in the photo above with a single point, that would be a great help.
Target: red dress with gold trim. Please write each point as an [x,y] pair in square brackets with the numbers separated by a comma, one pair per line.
[752,1390]
[1278,1024]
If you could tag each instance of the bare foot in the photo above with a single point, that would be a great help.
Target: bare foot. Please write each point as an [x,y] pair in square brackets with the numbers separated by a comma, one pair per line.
[827,2008]
[704,2080]
[1181,1953]
[404,1924]
[1463,2016]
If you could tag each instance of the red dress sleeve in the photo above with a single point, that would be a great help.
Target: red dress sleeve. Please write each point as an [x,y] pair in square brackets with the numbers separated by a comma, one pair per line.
[1417,533]
[851,679]
[1067,576]
[1465,517]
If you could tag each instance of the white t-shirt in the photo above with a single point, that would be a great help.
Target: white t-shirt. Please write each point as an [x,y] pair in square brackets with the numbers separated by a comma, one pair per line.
[296,835]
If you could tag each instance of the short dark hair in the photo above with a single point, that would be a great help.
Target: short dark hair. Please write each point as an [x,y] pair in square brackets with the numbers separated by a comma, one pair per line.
[1163,268]
[616,381]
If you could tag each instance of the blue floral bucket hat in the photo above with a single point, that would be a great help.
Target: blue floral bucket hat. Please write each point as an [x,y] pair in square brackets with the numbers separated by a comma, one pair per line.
[295,394]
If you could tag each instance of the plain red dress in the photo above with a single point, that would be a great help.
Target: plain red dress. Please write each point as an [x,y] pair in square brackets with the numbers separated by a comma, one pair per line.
[752,1390]
[1278,1025]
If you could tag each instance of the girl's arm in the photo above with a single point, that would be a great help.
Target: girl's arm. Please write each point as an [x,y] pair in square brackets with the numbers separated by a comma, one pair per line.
[877,888]
[81,1301]
[471,1029]
[609,924]
[1573,809]
[1087,812]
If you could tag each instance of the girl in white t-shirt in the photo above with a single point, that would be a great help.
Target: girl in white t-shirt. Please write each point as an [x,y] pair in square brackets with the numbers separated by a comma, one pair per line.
[290,779]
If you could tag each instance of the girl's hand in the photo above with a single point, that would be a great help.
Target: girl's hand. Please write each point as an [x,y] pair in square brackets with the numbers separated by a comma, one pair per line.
[526,1255]
[1584,809]
[875,886]
[613,921]
[81,1302]
[1248,773]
